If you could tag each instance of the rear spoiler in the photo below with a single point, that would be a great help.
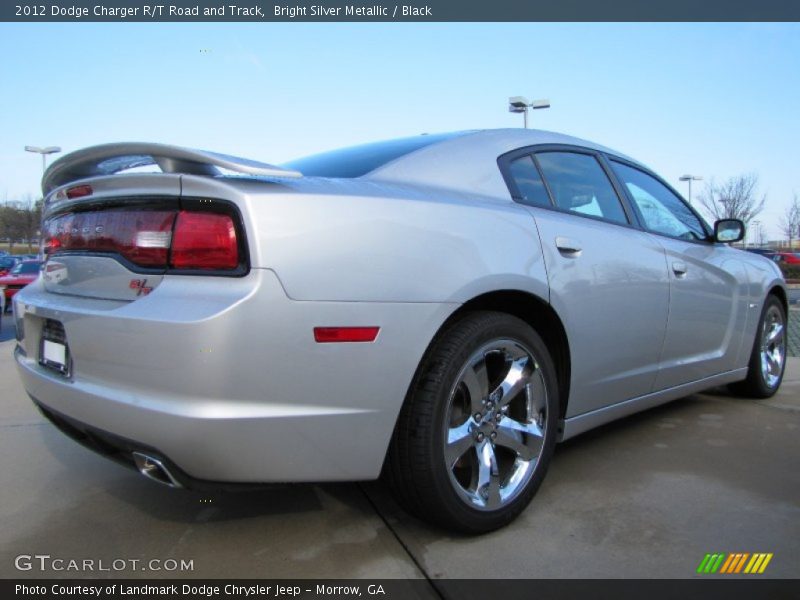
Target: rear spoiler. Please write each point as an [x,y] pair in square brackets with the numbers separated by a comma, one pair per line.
[108,159]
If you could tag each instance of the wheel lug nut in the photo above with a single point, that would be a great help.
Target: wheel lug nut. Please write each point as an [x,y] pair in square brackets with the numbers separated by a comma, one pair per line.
[494,434]
[479,437]
[478,416]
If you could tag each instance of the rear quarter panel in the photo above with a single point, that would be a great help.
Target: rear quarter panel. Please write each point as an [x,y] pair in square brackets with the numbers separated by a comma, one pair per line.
[373,242]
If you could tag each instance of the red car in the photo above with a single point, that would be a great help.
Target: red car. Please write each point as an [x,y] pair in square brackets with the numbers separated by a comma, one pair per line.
[790,258]
[20,276]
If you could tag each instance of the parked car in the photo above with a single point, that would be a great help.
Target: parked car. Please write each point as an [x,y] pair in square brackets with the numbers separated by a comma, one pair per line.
[789,258]
[6,264]
[765,252]
[441,309]
[23,273]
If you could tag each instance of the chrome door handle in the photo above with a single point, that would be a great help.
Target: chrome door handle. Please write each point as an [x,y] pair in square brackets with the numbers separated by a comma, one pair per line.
[568,247]
[679,268]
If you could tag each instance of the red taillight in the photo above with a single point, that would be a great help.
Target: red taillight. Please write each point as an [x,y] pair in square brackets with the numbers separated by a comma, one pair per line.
[325,335]
[141,236]
[149,238]
[79,191]
[204,241]
[51,245]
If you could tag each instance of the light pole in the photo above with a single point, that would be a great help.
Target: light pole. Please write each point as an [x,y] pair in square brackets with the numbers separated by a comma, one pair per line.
[757,232]
[44,152]
[520,104]
[690,179]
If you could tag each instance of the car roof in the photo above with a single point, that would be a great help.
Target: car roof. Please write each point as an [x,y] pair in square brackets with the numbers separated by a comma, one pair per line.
[467,161]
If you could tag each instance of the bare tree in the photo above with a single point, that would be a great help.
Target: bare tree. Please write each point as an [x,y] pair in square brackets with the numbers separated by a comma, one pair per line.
[735,198]
[20,220]
[790,221]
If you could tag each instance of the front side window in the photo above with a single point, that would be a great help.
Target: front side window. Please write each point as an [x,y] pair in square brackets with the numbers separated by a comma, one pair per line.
[579,184]
[663,211]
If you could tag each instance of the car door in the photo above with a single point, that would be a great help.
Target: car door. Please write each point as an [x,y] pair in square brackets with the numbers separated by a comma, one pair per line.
[709,289]
[608,280]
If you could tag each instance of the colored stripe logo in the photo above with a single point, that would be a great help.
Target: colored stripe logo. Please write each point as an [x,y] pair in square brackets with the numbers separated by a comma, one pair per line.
[734,562]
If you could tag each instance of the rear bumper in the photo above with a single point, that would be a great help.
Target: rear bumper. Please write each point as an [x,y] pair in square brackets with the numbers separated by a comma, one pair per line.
[226,381]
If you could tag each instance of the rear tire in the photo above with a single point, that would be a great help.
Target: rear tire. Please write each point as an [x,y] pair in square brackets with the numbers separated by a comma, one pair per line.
[477,430]
[768,357]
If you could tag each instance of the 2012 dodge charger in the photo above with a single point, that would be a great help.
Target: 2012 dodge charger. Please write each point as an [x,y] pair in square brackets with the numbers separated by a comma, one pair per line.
[441,309]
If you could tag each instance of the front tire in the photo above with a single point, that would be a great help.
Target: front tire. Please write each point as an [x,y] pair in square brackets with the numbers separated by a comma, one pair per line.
[768,357]
[476,433]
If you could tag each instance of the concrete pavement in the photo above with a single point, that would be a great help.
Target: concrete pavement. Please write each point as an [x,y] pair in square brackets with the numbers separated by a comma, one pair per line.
[793,340]
[644,497]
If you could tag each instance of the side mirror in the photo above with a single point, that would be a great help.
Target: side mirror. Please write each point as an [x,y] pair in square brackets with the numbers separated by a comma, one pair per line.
[727,231]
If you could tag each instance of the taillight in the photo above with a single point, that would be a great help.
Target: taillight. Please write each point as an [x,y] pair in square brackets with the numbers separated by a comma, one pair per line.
[141,236]
[79,191]
[159,239]
[204,241]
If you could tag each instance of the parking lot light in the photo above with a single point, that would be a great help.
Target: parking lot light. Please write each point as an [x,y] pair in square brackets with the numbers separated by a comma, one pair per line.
[44,151]
[520,104]
[690,179]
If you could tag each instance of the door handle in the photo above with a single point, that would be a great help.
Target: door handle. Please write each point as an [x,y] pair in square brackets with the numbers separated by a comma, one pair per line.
[679,268]
[568,247]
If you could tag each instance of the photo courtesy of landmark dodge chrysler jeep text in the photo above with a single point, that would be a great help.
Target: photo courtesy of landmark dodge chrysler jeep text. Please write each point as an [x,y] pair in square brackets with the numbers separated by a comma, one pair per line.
[440,309]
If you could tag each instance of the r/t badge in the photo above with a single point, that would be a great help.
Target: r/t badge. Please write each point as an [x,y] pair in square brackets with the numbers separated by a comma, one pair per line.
[140,285]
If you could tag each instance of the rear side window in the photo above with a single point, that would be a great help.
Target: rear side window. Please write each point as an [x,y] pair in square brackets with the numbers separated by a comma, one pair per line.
[529,183]
[579,184]
[663,212]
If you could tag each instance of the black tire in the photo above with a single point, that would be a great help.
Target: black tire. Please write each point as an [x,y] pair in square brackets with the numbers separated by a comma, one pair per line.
[761,381]
[420,476]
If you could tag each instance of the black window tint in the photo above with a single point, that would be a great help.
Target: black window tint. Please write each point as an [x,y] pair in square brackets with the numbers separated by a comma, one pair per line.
[529,182]
[663,212]
[579,184]
[360,160]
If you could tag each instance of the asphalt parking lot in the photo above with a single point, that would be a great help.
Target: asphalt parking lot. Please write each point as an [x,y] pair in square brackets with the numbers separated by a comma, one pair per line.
[646,497]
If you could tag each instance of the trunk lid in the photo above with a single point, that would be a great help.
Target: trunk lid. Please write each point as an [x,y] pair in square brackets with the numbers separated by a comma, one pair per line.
[115,236]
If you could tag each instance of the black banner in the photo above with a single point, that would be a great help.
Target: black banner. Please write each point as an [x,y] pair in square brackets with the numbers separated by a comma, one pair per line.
[398,589]
[406,10]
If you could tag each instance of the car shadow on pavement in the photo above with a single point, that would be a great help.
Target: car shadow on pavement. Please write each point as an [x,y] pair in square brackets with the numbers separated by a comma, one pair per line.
[162,503]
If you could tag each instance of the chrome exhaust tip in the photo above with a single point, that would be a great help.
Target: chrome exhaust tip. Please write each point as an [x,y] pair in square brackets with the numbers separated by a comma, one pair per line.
[154,469]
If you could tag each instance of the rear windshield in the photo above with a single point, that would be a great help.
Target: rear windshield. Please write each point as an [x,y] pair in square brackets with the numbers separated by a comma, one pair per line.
[360,160]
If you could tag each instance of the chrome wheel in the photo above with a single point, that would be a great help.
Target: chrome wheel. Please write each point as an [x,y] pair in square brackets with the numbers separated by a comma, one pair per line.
[495,423]
[773,346]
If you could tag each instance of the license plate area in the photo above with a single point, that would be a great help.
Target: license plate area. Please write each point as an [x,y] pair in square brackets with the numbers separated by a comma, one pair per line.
[53,348]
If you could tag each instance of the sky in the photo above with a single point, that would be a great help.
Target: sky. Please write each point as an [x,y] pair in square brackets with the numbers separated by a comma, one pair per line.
[714,100]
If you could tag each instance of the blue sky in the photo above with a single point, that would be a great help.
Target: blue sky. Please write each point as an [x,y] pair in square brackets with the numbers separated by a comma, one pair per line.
[715,100]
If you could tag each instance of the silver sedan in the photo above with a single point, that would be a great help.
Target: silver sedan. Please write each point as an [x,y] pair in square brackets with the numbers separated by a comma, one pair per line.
[441,309]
